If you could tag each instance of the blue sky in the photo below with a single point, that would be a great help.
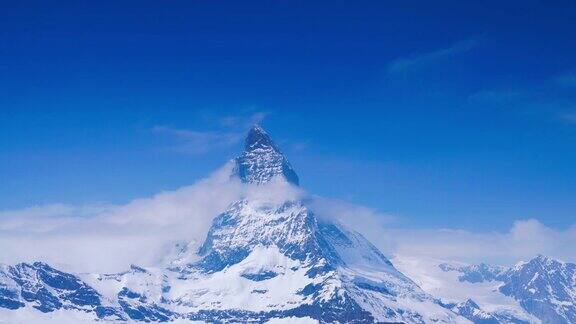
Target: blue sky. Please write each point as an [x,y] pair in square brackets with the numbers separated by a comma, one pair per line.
[450,114]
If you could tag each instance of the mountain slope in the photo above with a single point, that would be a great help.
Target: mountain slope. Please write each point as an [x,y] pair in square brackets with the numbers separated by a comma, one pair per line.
[263,258]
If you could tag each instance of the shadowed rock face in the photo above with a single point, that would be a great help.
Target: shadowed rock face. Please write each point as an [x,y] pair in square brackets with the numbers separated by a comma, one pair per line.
[262,161]
[47,289]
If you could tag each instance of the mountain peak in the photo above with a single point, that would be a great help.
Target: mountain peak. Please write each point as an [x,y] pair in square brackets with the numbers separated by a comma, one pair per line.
[262,160]
[545,261]
[257,138]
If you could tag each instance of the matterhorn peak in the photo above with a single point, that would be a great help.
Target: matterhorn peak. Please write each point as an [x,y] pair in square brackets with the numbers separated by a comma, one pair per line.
[261,260]
[257,138]
[262,160]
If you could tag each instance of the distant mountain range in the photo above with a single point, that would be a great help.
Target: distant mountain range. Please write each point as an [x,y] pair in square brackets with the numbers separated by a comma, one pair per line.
[263,260]
[544,288]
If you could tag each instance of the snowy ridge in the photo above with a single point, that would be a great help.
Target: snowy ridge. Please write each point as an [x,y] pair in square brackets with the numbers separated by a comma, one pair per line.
[477,301]
[541,290]
[544,287]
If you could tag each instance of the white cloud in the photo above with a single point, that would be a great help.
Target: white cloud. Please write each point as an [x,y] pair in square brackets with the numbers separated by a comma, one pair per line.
[47,217]
[419,60]
[145,231]
[108,240]
[199,142]
[523,241]
[230,132]
[363,219]
[243,121]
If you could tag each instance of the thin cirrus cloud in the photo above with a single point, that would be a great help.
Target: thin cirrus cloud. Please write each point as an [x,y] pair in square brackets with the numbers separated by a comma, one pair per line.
[242,121]
[417,61]
[198,142]
[230,133]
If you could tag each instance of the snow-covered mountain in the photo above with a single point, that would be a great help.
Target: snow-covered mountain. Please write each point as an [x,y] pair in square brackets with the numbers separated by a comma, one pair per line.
[544,287]
[268,257]
[261,259]
[542,290]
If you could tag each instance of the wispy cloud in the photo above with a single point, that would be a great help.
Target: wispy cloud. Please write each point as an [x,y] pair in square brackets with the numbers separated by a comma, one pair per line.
[143,231]
[44,218]
[361,218]
[243,121]
[146,231]
[199,142]
[567,79]
[417,61]
[230,131]
[523,241]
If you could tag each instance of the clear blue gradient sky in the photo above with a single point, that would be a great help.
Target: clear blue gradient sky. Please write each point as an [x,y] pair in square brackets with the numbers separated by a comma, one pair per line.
[447,114]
